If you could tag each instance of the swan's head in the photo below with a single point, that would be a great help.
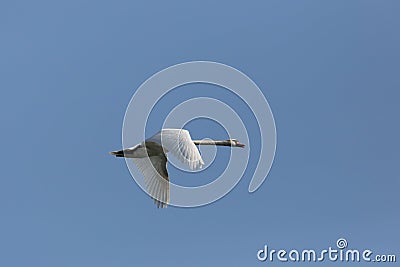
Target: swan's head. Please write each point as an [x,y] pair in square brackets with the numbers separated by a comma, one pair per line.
[235,143]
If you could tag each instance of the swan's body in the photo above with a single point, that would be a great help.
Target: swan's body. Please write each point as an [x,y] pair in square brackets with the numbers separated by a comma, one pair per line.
[150,158]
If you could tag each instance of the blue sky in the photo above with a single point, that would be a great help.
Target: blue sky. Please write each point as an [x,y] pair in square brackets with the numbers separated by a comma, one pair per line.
[329,70]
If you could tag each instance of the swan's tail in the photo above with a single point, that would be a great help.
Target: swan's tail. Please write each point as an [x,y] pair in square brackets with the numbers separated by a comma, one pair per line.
[119,153]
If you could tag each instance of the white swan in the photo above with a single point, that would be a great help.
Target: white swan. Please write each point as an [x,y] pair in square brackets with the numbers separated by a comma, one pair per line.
[150,158]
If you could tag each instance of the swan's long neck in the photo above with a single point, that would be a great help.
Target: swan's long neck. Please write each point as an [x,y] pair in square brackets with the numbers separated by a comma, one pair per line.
[212,142]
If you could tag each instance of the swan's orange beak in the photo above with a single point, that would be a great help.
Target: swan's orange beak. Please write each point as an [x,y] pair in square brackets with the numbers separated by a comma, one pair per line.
[240,145]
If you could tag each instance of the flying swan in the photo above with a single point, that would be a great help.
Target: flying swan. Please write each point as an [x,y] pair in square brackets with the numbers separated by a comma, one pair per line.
[151,160]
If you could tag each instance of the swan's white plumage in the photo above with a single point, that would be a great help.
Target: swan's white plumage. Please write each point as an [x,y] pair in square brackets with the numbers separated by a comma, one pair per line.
[180,144]
[154,167]
[154,170]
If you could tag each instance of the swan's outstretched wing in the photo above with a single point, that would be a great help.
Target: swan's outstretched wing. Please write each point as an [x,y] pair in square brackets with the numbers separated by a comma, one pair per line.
[154,170]
[180,144]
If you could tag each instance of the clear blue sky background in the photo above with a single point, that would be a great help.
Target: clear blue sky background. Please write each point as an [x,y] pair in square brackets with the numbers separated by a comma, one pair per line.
[330,70]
